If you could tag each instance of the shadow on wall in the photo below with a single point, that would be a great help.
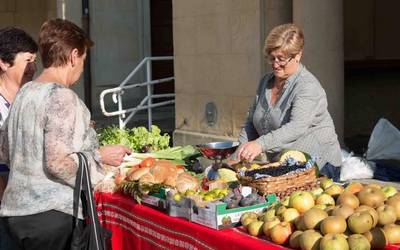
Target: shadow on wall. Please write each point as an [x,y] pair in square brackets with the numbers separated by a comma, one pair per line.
[370,94]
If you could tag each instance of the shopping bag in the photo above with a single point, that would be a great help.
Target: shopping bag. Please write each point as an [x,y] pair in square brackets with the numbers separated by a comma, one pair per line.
[384,142]
[87,235]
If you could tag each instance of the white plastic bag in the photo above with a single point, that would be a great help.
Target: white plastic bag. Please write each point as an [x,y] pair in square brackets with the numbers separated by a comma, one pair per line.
[384,142]
[354,167]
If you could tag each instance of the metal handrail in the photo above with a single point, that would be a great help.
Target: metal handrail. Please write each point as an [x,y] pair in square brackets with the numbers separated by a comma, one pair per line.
[147,102]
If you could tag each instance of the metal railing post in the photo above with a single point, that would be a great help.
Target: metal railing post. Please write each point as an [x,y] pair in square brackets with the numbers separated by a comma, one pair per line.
[146,103]
[150,95]
[121,116]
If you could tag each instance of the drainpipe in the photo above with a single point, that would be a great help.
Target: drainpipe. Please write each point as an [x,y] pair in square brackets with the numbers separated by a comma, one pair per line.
[87,79]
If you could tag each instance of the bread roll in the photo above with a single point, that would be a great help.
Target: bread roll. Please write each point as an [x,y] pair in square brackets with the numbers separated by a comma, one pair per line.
[164,170]
[134,176]
[147,178]
[185,182]
[171,179]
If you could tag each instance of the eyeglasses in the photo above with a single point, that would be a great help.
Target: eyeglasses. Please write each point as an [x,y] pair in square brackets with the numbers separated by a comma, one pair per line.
[280,61]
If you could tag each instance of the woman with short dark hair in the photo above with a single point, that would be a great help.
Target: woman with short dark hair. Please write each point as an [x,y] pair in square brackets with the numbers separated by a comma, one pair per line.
[17,66]
[48,124]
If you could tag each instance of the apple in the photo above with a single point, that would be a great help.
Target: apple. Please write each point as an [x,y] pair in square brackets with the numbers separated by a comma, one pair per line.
[334,190]
[279,210]
[348,199]
[394,201]
[299,223]
[333,225]
[329,209]
[342,210]
[248,220]
[377,238]
[358,242]
[313,218]
[320,206]
[270,223]
[248,215]
[392,232]
[325,199]
[294,240]
[285,201]
[325,183]
[389,191]
[370,210]
[316,191]
[255,228]
[360,222]
[354,187]
[281,232]
[374,185]
[371,196]
[301,200]
[269,214]
[289,215]
[387,215]
[334,242]
[309,240]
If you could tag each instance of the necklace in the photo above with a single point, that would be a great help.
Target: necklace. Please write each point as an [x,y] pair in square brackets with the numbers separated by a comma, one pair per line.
[7,94]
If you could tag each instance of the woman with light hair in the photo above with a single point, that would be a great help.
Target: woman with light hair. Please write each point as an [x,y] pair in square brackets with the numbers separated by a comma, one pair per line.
[290,110]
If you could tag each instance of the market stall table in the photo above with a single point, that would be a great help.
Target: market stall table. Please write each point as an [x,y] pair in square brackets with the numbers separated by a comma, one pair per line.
[136,226]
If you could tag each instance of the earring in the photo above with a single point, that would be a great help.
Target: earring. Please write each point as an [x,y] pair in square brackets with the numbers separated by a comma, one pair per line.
[297,61]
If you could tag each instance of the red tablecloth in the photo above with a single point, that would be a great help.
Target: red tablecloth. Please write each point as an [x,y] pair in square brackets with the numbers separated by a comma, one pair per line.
[137,226]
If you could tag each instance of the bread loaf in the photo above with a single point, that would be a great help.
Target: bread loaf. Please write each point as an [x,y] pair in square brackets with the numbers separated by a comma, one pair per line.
[134,176]
[147,178]
[185,182]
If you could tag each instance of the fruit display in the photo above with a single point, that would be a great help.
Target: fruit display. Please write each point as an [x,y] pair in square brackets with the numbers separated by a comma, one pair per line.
[282,177]
[331,217]
[290,165]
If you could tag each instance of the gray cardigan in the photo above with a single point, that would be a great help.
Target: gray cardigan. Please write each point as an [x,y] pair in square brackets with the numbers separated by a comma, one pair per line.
[299,120]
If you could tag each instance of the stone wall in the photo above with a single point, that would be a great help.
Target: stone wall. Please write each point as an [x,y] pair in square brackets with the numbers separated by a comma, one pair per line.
[26,13]
[217,48]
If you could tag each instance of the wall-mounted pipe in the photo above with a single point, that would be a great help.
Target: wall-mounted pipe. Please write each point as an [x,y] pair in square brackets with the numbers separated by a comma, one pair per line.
[87,75]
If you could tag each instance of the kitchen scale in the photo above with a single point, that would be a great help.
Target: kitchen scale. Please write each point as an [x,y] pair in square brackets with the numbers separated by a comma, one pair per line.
[218,152]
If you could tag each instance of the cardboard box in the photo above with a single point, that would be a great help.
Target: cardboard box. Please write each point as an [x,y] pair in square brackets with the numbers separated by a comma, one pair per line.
[217,216]
[156,200]
[182,209]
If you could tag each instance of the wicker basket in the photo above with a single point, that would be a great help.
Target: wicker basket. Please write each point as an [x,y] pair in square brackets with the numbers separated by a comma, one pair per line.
[283,185]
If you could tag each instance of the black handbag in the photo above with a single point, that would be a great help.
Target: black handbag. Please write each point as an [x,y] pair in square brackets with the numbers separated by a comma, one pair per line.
[87,234]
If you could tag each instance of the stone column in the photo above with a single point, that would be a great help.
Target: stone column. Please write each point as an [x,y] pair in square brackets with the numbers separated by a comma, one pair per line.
[322,23]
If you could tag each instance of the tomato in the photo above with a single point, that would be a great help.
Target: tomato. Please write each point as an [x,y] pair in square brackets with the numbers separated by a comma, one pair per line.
[180,167]
[118,179]
[204,185]
[147,162]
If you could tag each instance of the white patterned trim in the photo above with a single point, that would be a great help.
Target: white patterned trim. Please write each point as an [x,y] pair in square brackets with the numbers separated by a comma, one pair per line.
[164,238]
[133,232]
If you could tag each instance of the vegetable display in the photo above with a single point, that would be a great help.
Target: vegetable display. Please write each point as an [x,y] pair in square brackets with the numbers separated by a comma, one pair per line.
[139,139]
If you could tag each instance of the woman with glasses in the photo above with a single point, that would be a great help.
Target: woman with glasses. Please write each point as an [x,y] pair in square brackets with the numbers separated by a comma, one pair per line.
[290,110]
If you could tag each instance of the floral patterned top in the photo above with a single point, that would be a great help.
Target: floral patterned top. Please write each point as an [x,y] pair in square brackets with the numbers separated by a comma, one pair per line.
[47,125]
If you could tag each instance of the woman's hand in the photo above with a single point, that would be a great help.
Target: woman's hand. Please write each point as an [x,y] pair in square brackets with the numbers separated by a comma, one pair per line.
[249,150]
[113,155]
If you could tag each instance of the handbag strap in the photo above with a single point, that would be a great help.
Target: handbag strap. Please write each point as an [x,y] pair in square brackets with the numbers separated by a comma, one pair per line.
[88,205]
[78,189]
